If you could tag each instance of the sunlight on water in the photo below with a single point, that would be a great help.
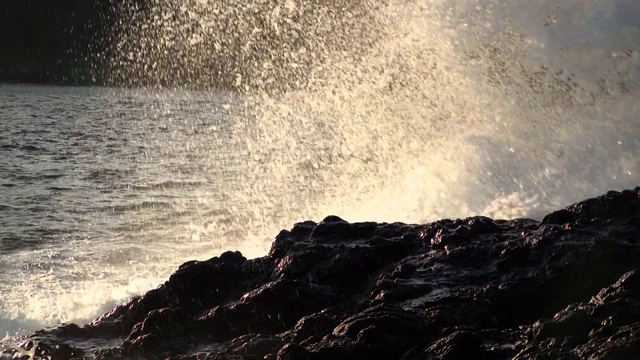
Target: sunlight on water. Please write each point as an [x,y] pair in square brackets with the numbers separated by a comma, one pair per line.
[370,110]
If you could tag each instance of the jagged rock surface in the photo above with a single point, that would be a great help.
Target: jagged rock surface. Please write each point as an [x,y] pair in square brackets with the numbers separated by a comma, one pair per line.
[566,287]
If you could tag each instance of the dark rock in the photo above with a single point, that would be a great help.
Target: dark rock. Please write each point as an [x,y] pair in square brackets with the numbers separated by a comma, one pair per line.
[47,348]
[457,346]
[333,228]
[293,352]
[564,288]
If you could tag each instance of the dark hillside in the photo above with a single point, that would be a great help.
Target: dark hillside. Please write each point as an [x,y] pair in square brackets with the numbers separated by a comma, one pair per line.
[53,41]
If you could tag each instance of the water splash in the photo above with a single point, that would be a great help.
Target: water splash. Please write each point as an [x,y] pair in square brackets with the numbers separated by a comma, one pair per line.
[371,110]
[435,120]
[404,110]
[242,45]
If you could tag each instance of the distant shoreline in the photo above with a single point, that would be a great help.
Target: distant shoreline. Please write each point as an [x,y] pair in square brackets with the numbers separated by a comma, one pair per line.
[48,82]
[120,87]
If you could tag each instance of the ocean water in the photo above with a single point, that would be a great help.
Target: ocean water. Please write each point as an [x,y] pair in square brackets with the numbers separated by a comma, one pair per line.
[458,108]
[104,192]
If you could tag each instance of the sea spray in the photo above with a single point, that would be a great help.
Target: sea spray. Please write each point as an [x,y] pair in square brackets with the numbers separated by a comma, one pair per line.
[433,120]
[411,110]
[370,110]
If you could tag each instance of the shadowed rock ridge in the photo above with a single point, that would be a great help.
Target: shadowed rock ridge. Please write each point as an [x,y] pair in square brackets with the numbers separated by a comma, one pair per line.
[566,287]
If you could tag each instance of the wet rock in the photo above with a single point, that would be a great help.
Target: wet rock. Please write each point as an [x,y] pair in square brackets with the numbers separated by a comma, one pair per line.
[47,348]
[292,352]
[567,287]
[333,228]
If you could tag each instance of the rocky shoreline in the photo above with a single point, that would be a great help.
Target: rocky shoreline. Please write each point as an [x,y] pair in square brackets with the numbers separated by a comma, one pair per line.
[566,287]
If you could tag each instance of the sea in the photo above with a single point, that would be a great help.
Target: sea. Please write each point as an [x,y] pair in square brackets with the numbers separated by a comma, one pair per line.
[105,191]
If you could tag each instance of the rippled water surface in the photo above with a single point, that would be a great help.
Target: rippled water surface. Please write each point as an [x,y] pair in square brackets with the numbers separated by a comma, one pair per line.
[103,192]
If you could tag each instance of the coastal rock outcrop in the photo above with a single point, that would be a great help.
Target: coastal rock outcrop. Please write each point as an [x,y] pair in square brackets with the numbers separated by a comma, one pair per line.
[566,287]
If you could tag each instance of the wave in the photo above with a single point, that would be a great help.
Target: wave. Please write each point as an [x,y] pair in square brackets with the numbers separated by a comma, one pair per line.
[164,185]
[102,174]
[145,205]
[52,176]
[57,188]
[30,148]
[25,148]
